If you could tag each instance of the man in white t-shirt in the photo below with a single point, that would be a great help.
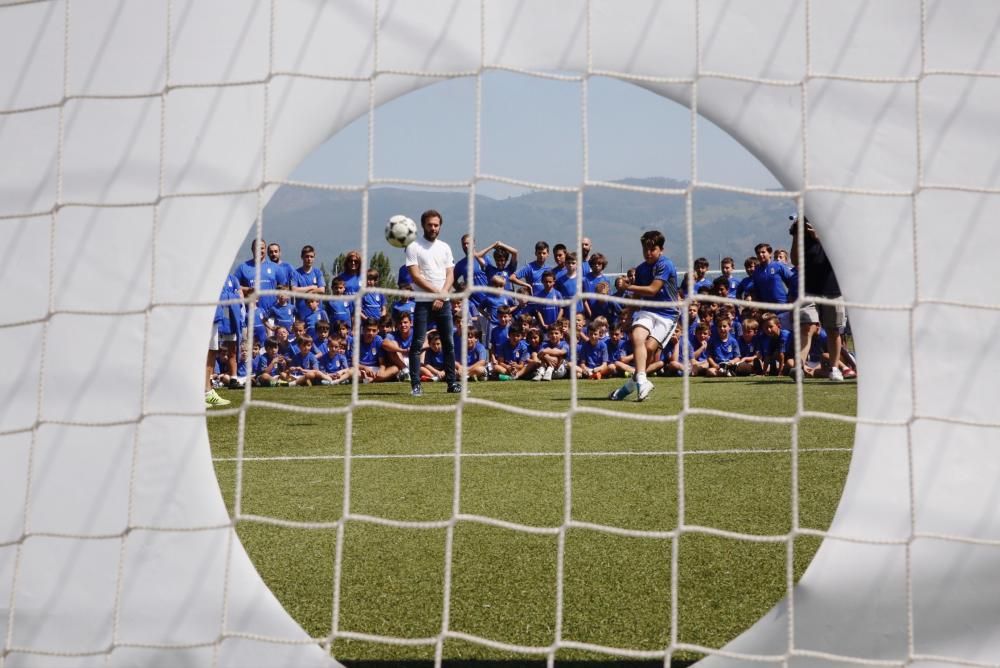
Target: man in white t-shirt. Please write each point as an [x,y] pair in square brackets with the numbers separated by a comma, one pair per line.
[432,269]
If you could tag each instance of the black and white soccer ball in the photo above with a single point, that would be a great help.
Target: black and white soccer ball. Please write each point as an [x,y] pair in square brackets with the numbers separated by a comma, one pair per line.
[400,231]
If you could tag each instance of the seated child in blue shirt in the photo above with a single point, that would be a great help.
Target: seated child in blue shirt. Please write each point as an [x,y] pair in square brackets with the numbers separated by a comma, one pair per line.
[513,355]
[271,367]
[723,348]
[776,354]
[554,353]
[593,360]
[477,359]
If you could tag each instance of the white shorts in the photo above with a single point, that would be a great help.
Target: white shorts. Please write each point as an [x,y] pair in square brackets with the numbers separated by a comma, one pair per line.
[660,327]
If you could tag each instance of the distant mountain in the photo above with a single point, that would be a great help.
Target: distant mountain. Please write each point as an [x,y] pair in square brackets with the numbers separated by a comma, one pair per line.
[724,223]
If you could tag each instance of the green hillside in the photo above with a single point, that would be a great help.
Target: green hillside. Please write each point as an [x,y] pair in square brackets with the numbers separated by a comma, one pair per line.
[724,223]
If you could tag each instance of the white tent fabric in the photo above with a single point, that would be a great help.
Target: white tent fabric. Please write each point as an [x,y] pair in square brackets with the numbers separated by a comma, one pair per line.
[116,200]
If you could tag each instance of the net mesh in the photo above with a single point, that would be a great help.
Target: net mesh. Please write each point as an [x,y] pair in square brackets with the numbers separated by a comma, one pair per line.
[458,456]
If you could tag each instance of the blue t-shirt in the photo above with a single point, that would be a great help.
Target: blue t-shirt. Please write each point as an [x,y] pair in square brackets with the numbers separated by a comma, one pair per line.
[305,359]
[306,279]
[311,318]
[772,282]
[746,288]
[476,354]
[617,351]
[371,305]
[562,345]
[772,346]
[478,277]
[506,272]
[246,274]
[333,363]
[593,355]
[531,273]
[368,352]
[548,311]
[749,348]
[664,270]
[408,307]
[512,353]
[498,338]
[723,350]
[567,288]
[340,310]
[283,315]
[732,285]
[352,282]
[434,359]
[230,317]
[700,357]
[262,361]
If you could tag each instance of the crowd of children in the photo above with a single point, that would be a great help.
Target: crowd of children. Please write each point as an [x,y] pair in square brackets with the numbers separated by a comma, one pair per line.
[303,340]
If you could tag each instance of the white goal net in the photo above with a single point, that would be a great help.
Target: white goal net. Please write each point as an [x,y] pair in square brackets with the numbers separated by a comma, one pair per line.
[136,140]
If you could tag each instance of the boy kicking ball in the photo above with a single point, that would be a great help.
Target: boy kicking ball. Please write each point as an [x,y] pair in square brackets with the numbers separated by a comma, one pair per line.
[655,282]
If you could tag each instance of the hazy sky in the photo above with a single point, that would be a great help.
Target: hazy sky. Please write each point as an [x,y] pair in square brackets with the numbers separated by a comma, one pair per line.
[531,130]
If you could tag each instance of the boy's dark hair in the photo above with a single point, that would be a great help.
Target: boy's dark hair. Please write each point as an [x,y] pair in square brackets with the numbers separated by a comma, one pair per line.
[305,338]
[337,280]
[541,245]
[652,238]
[757,248]
[720,281]
[722,315]
[386,321]
[547,274]
[504,310]
[369,322]
[598,258]
[704,290]
[475,333]
[372,274]
[703,327]
[727,260]
[433,336]
[428,214]
[271,342]
[323,324]
[306,249]
[749,261]
[501,253]
[402,315]
[554,327]
[571,256]
[768,318]
[516,328]
[557,248]
[701,263]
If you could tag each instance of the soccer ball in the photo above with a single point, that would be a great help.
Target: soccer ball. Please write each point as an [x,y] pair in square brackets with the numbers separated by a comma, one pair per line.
[400,231]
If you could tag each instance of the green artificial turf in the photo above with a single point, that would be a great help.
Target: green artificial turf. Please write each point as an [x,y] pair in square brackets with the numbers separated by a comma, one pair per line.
[736,474]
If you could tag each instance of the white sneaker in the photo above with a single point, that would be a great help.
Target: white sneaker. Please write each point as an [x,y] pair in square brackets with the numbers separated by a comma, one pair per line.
[836,375]
[645,388]
[539,375]
[403,375]
[548,373]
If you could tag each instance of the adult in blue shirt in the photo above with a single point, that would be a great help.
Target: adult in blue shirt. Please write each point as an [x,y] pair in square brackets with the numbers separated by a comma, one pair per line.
[772,281]
[351,273]
[246,274]
[286,272]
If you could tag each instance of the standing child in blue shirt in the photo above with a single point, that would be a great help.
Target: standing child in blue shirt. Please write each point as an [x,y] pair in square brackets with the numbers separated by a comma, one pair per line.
[373,304]
[282,314]
[549,311]
[341,307]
